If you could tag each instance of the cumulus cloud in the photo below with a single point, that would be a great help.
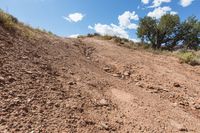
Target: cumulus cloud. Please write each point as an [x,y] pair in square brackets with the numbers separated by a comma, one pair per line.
[145,1]
[160,11]
[185,3]
[125,20]
[74,17]
[119,30]
[157,3]
[74,36]
[112,30]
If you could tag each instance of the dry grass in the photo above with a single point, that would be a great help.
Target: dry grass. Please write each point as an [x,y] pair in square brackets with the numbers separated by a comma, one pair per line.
[189,57]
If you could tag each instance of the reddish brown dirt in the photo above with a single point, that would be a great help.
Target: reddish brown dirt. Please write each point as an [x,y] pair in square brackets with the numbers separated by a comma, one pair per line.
[51,84]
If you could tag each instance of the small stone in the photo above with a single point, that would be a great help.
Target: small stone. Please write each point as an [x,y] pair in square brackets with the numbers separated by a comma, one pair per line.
[116,75]
[2,45]
[197,106]
[2,82]
[29,100]
[174,104]
[177,85]
[11,79]
[24,57]
[127,73]
[106,69]
[71,83]
[72,73]
[2,78]
[28,72]
[104,126]
[150,87]
[139,84]
[103,102]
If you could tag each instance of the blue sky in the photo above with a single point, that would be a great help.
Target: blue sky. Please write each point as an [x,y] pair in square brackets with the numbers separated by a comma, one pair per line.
[71,17]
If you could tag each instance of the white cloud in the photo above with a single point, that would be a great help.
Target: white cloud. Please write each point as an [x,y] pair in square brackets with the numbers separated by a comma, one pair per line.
[145,1]
[118,30]
[74,17]
[173,12]
[74,36]
[135,40]
[90,27]
[112,30]
[157,3]
[185,3]
[160,11]
[125,20]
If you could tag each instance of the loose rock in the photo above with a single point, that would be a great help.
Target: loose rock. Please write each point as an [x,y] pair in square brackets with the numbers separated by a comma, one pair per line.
[127,73]
[71,83]
[104,126]
[177,85]
[116,75]
[103,102]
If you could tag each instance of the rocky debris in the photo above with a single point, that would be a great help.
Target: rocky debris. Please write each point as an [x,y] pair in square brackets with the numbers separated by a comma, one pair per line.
[176,85]
[109,68]
[86,122]
[178,126]
[139,77]
[151,87]
[88,51]
[184,103]
[156,89]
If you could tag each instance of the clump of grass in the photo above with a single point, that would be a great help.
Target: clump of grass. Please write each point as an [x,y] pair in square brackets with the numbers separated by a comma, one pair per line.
[189,57]
[7,21]
[106,37]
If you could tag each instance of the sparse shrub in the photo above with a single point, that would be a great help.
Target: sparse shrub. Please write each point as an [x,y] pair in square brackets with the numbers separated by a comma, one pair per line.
[7,21]
[90,35]
[118,40]
[189,58]
[106,37]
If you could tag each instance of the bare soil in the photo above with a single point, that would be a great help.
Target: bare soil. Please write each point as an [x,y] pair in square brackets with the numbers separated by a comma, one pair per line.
[51,84]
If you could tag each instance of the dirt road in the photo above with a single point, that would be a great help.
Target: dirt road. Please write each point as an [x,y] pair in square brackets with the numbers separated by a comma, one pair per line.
[91,85]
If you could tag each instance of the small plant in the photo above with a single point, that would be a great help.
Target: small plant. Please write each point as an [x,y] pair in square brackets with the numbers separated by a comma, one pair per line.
[189,58]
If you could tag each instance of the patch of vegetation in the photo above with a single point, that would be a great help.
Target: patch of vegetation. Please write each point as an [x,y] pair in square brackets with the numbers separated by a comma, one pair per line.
[189,57]
[7,21]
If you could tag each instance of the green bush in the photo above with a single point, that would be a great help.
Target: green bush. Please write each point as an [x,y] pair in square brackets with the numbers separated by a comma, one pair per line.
[7,21]
[189,58]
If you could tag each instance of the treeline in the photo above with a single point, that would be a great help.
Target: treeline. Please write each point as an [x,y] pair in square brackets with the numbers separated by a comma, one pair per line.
[169,32]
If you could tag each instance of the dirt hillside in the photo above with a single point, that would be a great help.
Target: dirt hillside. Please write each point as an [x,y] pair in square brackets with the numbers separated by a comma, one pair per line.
[50,84]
